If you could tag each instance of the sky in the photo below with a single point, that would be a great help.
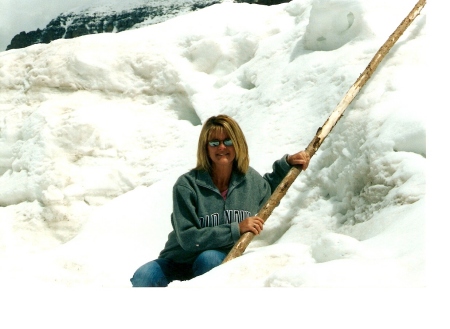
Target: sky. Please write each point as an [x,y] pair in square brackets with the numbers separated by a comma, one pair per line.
[28,15]
[94,132]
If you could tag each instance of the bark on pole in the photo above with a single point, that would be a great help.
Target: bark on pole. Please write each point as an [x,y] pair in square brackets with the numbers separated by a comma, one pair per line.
[245,239]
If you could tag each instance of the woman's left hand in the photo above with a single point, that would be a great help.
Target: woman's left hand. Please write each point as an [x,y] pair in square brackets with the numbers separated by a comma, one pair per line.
[300,158]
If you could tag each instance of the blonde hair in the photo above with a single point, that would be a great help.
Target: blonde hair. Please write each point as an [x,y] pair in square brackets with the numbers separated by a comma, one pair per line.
[222,123]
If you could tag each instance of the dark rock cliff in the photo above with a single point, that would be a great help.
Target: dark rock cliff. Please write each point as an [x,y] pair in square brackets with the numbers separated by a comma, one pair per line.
[264,2]
[71,25]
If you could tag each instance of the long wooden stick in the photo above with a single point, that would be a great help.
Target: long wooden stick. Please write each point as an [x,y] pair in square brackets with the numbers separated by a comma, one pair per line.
[323,131]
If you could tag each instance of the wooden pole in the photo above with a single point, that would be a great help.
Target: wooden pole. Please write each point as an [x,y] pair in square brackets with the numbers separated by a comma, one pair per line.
[245,239]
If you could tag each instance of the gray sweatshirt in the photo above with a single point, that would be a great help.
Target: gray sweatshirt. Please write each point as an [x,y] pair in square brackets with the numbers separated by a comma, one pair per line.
[203,220]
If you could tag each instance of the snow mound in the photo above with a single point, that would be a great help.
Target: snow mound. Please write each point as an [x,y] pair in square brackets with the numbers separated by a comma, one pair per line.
[332,24]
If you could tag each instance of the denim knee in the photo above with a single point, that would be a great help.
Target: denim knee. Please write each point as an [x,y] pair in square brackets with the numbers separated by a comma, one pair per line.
[206,261]
[149,275]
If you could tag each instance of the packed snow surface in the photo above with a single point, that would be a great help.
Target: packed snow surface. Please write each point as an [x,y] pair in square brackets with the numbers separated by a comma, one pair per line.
[18,16]
[95,130]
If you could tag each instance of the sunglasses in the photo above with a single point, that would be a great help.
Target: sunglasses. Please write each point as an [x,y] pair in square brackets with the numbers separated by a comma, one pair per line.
[216,142]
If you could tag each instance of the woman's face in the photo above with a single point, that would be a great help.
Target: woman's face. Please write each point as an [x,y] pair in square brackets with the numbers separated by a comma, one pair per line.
[221,155]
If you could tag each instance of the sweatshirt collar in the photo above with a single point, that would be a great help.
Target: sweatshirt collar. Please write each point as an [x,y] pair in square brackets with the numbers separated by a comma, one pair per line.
[204,179]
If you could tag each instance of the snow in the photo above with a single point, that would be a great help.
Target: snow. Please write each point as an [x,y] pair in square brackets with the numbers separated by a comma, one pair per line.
[28,15]
[95,130]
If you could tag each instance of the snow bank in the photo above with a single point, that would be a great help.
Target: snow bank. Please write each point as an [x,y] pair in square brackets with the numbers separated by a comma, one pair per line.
[95,130]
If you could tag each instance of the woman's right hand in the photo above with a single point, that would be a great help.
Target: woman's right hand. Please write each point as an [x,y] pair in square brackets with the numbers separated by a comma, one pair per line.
[251,224]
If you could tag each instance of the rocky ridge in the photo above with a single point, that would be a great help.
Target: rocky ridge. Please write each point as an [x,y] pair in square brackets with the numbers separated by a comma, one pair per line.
[101,20]
[91,21]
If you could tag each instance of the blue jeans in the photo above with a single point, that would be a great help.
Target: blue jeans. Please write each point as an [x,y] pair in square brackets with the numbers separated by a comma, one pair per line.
[160,272]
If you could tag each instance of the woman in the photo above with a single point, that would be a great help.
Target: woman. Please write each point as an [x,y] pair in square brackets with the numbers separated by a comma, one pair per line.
[213,205]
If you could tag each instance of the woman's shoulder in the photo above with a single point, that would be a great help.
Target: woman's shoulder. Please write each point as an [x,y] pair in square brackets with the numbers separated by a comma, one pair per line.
[253,174]
[191,177]
[187,176]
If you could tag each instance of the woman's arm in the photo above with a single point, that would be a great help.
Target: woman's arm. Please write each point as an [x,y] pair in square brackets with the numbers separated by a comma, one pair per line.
[282,166]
